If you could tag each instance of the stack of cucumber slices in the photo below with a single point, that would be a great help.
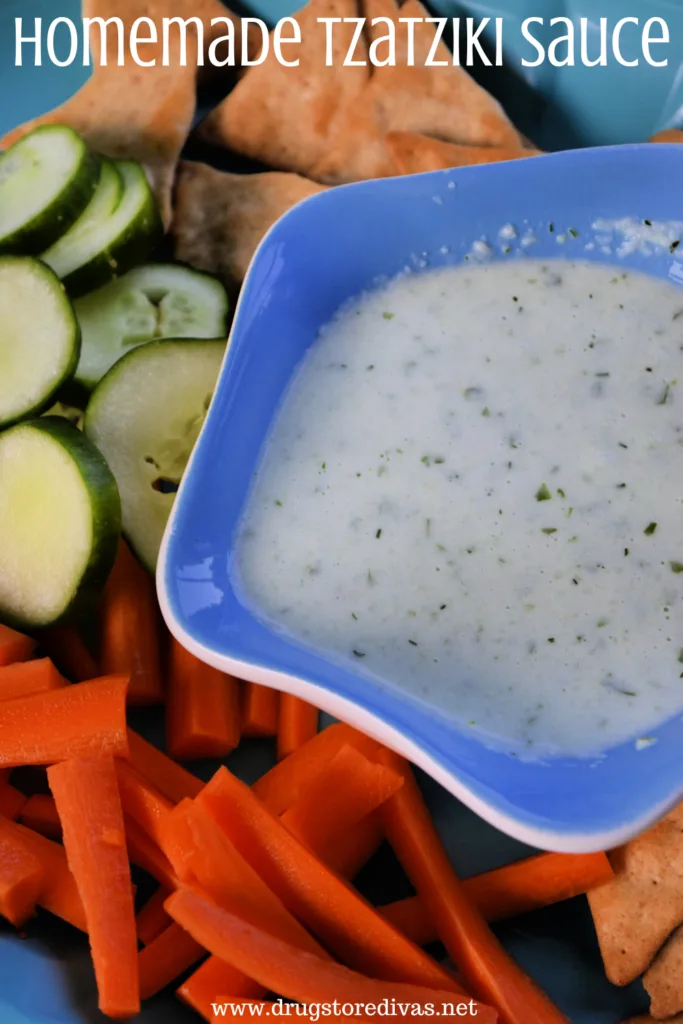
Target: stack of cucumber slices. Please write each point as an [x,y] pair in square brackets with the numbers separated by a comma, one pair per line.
[133,348]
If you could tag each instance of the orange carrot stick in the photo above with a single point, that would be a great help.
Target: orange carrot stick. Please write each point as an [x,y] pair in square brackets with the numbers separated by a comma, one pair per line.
[350,852]
[297,724]
[14,646]
[170,778]
[214,976]
[343,921]
[202,708]
[129,629]
[260,708]
[40,814]
[280,787]
[232,883]
[165,958]
[59,893]
[145,854]
[176,839]
[75,721]
[22,877]
[295,973]
[26,677]
[141,800]
[152,919]
[486,968]
[11,801]
[87,799]
[338,798]
[514,889]
[67,649]
[411,917]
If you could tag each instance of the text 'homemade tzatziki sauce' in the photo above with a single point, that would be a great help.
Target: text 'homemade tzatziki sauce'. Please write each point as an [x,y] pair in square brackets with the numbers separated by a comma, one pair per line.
[474,491]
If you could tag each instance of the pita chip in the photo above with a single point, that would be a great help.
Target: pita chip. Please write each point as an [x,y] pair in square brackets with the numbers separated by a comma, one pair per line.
[636,912]
[286,116]
[647,1019]
[664,980]
[444,102]
[220,218]
[415,153]
[669,135]
[133,112]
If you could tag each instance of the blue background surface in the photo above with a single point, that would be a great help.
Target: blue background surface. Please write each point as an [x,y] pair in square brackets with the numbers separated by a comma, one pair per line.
[48,979]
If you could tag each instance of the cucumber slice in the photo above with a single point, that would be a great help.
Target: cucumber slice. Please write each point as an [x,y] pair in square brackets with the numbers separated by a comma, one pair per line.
[116,231]
[60,519]
[148,303]
[145,416]
[39,337]
[47,179]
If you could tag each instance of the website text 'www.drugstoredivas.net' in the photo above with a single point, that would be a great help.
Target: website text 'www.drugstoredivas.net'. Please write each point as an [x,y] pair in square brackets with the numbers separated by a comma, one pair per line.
[316,1011]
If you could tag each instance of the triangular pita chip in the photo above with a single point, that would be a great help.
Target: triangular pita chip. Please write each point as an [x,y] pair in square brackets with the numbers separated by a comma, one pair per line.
[669,135]
[415,153]
[133,112]
[220,218]
[664,980]
[636,912]
[444,102]
[285,116]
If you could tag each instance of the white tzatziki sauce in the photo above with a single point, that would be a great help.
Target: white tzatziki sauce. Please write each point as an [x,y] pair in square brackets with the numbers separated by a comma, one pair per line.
[474,491]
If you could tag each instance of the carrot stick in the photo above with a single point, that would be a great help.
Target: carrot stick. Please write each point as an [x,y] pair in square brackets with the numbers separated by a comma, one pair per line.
[514,889]
[411,917]
[145,854]
[11,801]
[338,798]
[129,629]
[26,677]
[40,814]
[22,877]
[485,966]
[202,708]
[75,721]
[59,893]
[297,723]
[169,778]
[140,800]
[65,646]
[350,852]
[87,799]
[214,976]
[280,787]
[295,973]
[260,709]
[169,955]
[152,919]
[176,839]
[14,646]
[232,883]
[343,921]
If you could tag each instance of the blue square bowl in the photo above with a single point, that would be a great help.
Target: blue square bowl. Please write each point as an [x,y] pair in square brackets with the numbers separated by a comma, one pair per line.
[324,251]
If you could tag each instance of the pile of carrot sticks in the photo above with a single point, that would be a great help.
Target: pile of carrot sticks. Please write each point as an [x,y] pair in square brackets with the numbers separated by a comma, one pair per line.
[254,897]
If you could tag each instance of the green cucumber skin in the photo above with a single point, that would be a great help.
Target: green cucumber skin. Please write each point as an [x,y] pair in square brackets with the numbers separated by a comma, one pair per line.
[49,399]
[46,228]
[132,246]
[106,517]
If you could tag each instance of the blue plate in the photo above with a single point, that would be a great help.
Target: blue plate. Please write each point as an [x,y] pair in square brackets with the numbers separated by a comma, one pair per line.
[320,254]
